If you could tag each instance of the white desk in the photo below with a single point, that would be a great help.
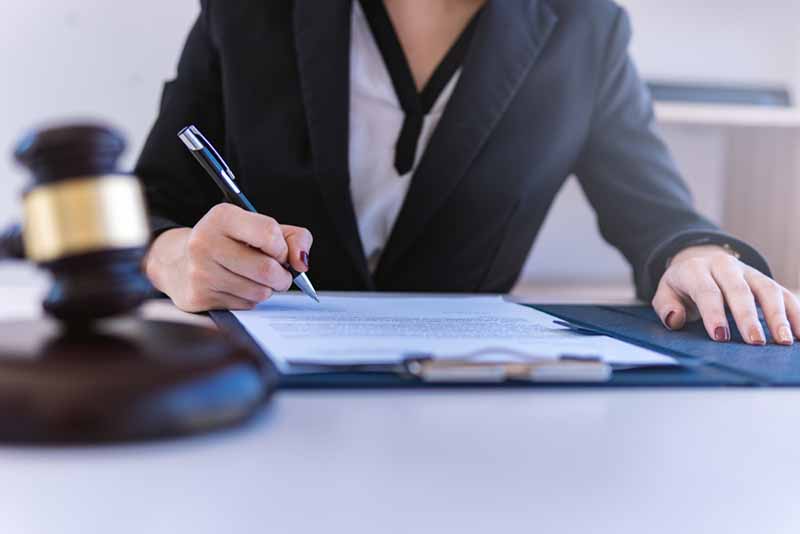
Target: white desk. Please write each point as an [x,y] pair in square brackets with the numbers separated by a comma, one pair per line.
[624,461]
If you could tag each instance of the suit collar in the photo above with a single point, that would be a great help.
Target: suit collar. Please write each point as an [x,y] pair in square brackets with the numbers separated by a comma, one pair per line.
[322,38]
[508,39]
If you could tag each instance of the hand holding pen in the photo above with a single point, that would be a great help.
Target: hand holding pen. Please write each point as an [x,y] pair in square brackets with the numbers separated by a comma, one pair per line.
[233,258]
[273,243]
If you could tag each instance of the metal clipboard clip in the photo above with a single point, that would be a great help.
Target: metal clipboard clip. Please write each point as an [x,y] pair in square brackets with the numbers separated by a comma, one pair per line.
[498,365]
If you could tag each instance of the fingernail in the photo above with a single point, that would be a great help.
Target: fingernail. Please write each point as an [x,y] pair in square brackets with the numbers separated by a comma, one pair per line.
[722,334]
[785,335]
[757,336]
[668,320]
[304,258]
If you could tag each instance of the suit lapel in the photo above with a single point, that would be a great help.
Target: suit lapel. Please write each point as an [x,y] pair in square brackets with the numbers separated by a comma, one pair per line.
[322,39]
[507,42]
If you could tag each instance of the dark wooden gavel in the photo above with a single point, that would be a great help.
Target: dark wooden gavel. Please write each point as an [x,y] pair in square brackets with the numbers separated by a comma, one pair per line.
[90,372]
[84,222]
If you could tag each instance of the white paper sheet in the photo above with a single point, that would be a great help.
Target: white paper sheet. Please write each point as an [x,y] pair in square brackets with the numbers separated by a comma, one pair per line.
[293,329]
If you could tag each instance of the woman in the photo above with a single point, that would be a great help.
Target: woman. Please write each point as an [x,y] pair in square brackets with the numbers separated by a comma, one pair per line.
[421,144]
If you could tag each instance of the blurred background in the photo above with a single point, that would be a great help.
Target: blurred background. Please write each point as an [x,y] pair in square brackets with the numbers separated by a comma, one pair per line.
[95,58]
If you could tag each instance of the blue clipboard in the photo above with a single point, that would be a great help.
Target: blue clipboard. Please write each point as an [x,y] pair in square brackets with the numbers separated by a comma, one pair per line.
[771,365]
[704,363]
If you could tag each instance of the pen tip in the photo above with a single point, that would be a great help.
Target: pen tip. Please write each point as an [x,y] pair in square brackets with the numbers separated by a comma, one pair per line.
[304,284]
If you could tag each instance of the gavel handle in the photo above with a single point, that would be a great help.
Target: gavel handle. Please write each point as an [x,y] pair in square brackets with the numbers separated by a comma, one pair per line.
[11,246]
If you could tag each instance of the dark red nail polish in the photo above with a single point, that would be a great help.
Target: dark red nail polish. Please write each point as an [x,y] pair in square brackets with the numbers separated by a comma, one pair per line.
[304,258]
[722,334]
[668,320]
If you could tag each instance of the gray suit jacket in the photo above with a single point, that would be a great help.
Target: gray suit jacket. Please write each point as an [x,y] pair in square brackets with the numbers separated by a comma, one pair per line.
[547,90]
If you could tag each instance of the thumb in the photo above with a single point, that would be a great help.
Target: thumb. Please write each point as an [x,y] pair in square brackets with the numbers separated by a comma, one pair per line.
[299,241]
[669,307]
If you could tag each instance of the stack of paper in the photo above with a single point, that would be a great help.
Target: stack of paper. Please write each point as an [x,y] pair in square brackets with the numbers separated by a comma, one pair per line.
[359,329]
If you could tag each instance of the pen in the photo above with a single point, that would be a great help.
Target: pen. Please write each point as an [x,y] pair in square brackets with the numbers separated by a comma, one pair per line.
[208,158]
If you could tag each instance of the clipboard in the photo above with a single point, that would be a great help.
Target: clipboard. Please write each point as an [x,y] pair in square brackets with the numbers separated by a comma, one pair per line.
[770,365]
[702,364]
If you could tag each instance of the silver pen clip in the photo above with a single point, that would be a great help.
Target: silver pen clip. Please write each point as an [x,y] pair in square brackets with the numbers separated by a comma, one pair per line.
[196,141]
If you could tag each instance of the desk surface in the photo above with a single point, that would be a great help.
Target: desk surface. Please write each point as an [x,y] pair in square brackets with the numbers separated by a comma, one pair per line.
[624,461]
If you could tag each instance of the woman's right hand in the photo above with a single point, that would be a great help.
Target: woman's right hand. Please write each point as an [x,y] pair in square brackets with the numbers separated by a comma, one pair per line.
[231,259]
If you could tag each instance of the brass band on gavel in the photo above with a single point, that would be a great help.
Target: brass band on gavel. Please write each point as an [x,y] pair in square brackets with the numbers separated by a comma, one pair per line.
[80,215]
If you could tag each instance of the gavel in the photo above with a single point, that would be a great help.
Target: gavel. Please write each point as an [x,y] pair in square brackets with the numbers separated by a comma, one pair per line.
[92,371]
[84,222]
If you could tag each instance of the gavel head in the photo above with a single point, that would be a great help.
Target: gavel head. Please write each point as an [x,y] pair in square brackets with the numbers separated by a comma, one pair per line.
[84,222]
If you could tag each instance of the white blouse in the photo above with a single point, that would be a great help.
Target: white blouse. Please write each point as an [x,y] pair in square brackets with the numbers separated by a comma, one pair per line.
[376,118]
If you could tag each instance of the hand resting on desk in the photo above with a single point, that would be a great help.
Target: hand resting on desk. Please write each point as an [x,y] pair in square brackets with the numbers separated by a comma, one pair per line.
[231,259]
[701,281]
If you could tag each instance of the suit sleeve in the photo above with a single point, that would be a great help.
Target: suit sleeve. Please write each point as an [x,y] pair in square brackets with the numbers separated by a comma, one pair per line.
[177,190]
[643,206]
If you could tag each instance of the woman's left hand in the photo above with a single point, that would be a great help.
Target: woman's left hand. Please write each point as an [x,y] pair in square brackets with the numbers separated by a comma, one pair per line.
[701,281]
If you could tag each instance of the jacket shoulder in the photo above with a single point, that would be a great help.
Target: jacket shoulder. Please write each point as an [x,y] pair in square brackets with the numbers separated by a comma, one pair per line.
[245,10]
[591,18]
[595,24]
[597,11]
[243,17]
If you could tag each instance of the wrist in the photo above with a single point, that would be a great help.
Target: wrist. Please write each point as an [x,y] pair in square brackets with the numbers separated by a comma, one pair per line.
[698,251]
[165,253]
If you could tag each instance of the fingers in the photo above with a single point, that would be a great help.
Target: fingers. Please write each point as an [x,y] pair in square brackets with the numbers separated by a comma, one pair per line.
[211,284]
[197,298]
[286,244]
[729,276]
[770,296]
[225,301]
[669,306]
[252,264]
[793,311]
[230,259]
[299,241]
[256,230]
[713,280]
[693,278]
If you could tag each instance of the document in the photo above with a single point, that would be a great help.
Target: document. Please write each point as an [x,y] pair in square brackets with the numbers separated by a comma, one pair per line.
[372,329]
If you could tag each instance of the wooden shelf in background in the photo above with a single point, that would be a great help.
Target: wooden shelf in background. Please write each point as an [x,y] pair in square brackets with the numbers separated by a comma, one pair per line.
[577,293]
[727,115]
